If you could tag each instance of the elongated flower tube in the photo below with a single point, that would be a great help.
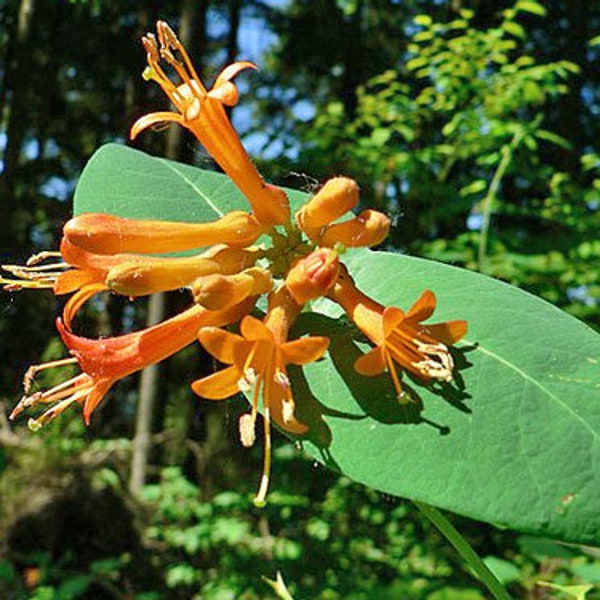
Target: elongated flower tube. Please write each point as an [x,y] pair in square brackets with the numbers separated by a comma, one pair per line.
[107,234]
[400,338]
[141,275]
[258,359]
[313,275]
[202,112]
[105,361]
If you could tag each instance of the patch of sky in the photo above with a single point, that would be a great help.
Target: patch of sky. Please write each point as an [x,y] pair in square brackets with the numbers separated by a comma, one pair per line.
[474,222]
[304,110]
[57,187]
[581,294]
[589,97]
[31,149]
[522,182]
[254,39]
[51,149]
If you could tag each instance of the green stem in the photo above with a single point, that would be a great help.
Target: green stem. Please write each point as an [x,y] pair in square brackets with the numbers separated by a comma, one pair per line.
[490,197]
[465,550]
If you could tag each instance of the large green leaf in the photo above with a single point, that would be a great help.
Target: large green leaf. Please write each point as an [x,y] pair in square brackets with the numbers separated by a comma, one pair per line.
[514,440]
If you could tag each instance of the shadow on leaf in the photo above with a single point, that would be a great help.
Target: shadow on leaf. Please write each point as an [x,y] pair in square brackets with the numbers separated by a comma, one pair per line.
[375,396]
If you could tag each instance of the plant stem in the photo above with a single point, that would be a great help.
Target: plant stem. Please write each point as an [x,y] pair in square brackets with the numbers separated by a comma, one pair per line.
[488,202]
[465,550]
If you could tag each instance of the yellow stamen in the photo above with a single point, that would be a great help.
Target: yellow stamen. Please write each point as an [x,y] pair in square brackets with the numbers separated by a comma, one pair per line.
[260,500]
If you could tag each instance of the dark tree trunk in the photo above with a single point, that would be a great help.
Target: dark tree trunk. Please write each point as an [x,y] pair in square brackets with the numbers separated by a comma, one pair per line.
[15,92]
[149,381]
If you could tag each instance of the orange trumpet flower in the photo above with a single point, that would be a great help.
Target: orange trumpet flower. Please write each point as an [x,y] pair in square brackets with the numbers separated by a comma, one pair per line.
[259,359]
[400,337]
[202,112]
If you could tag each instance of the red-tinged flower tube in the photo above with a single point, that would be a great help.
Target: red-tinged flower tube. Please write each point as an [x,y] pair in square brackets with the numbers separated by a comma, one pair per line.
[101,233]
[105,361]
[400,337]
[313,275]
[203,113]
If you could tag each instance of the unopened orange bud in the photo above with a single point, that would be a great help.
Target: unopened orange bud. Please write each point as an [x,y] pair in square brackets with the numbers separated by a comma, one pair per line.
[145,275]
[333,200]
[313,275]
[107,234]
[369,228]
[217,292]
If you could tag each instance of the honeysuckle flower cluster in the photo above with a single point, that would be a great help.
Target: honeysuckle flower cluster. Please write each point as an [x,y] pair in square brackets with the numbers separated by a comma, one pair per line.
[101,252]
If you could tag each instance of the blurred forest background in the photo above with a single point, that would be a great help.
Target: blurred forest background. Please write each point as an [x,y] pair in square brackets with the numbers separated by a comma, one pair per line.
[473,123]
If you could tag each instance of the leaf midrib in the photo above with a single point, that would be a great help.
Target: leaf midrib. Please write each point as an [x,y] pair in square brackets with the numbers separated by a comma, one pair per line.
[167,164]
[537,384]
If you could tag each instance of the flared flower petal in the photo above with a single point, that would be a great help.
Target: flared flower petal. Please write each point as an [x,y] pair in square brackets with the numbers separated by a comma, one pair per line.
[258,359]
[372,363]
[400,338]
[155,119]
[423,308]
[304,350]
[219,385]
[220,343]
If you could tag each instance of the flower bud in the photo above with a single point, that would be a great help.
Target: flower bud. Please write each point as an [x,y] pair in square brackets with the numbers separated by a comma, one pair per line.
[313,275]
[369,228]
[333,200]
[217,292]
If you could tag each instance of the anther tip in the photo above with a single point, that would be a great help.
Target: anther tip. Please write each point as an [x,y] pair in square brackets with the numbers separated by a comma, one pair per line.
[34,425]
[259,502]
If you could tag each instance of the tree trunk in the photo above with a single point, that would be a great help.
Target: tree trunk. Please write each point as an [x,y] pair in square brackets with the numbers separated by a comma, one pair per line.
[149,380]
[16,81]
[235,7]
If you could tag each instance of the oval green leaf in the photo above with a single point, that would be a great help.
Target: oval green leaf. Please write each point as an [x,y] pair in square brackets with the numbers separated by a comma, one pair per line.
[514,440]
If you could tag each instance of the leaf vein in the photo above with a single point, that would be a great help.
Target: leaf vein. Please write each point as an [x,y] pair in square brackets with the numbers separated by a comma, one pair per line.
[196,189]
[537,384]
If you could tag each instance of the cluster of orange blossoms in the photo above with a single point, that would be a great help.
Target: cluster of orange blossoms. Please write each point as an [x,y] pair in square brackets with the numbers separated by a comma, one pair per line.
[101,252]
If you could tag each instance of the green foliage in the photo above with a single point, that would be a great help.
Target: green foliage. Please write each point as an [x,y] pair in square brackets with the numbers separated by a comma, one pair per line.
[457,146]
